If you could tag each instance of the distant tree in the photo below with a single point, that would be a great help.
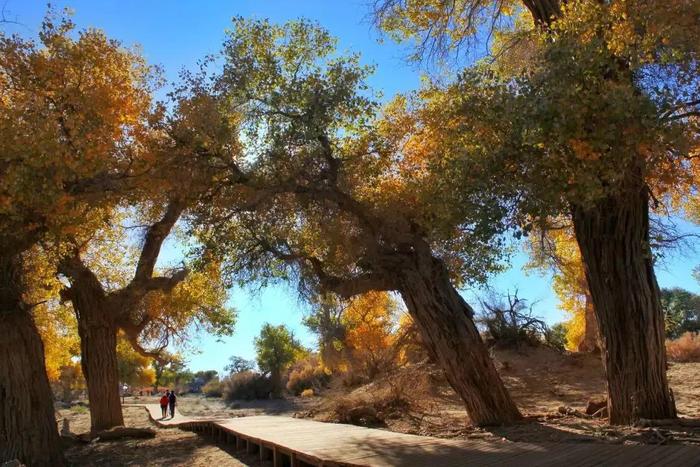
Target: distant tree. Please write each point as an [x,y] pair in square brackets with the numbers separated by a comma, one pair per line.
[556,336]
[166,369]
[681,311]
[70,381]
[276,349]
[238,364]
[134,369]
[201,378]
[370,320]
[325,320]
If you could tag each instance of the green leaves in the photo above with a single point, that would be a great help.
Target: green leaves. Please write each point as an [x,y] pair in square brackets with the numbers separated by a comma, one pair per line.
[276,348]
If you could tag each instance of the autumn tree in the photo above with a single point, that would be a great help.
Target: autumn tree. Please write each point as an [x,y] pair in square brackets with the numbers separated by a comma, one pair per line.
[153,306]
[325,320]
[238,364]
[340,195]
[276,348]
[555,250]
[150,308]
[69,108]
[585,106]
[134,369]
[370,320]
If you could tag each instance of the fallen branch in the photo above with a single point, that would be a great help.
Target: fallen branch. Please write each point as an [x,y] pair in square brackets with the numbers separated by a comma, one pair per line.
[573,412]
[687,422]
[120,432]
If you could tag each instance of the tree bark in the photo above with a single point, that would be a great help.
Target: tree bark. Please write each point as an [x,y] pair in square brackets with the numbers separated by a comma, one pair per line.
[445,321]
[98,347]
[28,430]
[614,240]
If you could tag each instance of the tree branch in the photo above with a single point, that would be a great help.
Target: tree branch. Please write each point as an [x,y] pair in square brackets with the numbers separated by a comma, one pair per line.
[155,236]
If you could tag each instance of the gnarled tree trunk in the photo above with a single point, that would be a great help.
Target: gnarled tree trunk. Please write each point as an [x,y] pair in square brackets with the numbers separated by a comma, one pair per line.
[98,350]
[28,430]
[445,321]
[614,241]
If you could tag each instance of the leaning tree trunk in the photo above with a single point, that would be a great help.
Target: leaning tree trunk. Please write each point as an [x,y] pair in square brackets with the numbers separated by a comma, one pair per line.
[445,321]
[98,346]
[28,430]
[614,241]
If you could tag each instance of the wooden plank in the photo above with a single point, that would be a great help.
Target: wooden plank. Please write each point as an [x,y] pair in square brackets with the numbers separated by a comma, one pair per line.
[319,443]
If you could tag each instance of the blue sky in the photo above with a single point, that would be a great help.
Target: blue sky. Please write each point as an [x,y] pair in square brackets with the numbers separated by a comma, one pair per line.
[175,34]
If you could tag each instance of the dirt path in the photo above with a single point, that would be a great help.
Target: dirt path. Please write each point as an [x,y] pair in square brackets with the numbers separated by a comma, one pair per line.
[170,447]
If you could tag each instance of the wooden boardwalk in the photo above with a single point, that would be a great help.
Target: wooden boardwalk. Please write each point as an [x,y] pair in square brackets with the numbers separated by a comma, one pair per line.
[300,442]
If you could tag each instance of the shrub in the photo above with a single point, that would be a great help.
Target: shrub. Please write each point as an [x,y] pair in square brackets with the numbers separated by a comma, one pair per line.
[214,388]
[555,337]
[246,385]
[509,322]
[684,349]
[307,393]
[307,374]
[371,408]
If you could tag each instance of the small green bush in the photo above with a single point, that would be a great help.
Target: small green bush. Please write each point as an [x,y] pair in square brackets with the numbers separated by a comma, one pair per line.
[555,337]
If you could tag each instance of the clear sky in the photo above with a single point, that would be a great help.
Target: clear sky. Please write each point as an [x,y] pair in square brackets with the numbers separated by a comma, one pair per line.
[177,33]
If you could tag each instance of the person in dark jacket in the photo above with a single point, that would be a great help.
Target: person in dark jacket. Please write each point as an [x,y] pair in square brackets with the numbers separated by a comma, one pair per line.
[172,400]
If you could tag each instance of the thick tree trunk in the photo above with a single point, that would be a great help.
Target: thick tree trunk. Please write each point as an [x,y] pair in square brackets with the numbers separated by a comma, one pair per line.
[614,241]
[445,322]
[98,346]
[28,429]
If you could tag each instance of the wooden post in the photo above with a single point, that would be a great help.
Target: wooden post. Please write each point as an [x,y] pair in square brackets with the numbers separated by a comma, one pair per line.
[265,453]
[276,457]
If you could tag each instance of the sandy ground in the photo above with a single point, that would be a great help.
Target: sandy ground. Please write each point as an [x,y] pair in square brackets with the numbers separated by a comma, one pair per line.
[540,381]
[169,447]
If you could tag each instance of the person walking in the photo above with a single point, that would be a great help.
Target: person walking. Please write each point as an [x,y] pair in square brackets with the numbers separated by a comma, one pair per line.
[164,401]
[172,400]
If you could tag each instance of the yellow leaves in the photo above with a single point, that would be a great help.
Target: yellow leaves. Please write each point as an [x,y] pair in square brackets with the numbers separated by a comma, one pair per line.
[557,250]
[73,107]
[134,368]
[583,150]
[369,321]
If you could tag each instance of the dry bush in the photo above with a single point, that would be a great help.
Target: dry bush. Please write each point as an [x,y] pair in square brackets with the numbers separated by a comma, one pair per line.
[390,398]
[371,408]
[509,322]
[246,385]
[307,374]
[214,388]
[684,349]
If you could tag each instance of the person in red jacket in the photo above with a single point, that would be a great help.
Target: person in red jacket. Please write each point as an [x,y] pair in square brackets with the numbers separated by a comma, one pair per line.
[164,403]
